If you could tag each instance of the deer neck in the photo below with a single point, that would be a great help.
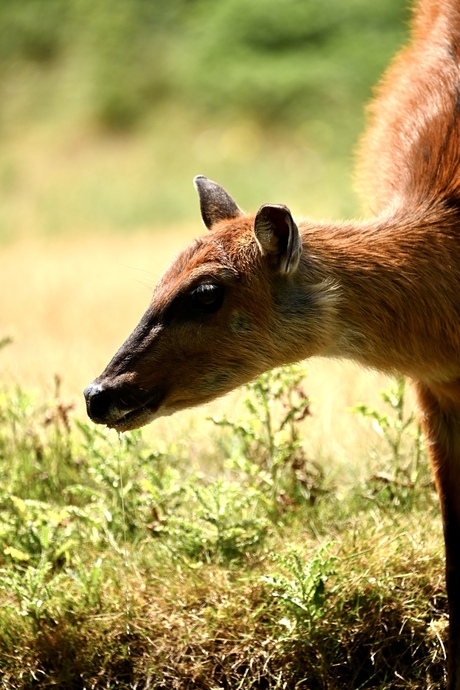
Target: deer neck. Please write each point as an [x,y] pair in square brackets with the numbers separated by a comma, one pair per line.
[376,289]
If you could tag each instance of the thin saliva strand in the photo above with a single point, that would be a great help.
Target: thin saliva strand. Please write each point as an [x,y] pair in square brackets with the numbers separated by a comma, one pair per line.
[124,549]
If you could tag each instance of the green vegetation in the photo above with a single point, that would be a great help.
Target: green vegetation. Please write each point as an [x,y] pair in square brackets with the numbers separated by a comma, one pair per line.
[109,108]
[274,62]
[402,468]
[123,566]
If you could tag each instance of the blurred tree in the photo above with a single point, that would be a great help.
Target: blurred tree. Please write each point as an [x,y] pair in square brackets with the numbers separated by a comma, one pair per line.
[272,60]
[32,30]
[282,60]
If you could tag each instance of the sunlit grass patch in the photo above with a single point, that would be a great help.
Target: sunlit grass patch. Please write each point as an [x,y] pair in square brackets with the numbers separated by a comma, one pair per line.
[123,565]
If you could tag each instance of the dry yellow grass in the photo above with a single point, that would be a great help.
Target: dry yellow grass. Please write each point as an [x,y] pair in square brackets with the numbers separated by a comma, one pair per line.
[68,304]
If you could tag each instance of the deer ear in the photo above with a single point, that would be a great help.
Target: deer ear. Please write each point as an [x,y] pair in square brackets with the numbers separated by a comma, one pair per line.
[278,237]
[215,203]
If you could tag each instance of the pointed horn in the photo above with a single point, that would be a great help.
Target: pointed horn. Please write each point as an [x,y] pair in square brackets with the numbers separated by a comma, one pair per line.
[215,203]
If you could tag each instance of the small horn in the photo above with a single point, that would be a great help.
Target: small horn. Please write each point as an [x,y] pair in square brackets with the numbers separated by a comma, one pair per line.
[215,203]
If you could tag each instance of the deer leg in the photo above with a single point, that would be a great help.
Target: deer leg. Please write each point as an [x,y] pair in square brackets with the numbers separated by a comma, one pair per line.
[440,417]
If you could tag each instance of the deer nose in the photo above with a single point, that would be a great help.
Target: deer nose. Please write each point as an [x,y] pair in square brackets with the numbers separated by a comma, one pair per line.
[98,401]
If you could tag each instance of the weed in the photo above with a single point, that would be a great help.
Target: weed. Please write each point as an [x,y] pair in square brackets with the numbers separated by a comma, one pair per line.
[267,448]
[33,589]
[224,522]
[303,591]
[405,460]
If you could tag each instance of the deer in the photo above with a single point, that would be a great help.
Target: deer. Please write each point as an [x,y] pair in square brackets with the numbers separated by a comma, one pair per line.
[262,290]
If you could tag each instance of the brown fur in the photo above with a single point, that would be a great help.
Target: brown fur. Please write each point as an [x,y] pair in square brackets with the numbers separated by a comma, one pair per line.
[385,292]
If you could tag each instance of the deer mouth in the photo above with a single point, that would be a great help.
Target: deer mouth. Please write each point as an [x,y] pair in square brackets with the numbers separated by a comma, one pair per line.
[138,416]
[122,408]
[134,419]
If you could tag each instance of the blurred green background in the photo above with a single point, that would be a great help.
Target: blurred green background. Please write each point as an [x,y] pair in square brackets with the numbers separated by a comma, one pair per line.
[108,108]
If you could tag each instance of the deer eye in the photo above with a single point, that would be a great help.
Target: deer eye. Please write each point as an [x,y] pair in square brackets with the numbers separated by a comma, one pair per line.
[207,297]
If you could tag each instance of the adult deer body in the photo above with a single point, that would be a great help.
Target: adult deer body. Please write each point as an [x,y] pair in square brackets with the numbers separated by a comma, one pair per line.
[260,291]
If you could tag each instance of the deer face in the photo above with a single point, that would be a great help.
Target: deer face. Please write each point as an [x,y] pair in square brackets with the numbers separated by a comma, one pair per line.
[211,325]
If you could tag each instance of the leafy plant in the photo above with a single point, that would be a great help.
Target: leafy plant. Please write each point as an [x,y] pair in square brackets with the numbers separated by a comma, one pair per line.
[303,591]
[34,530]
[224,522]
[406,466]
[267,446]
[33,589]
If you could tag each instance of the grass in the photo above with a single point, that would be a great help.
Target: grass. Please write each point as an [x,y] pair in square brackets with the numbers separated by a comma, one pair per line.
[124,566]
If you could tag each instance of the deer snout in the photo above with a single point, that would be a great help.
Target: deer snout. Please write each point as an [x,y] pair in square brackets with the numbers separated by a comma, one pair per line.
[98,402]
[121,406]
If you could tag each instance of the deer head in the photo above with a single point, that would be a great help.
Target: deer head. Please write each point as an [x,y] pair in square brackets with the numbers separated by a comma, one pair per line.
[227,309]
